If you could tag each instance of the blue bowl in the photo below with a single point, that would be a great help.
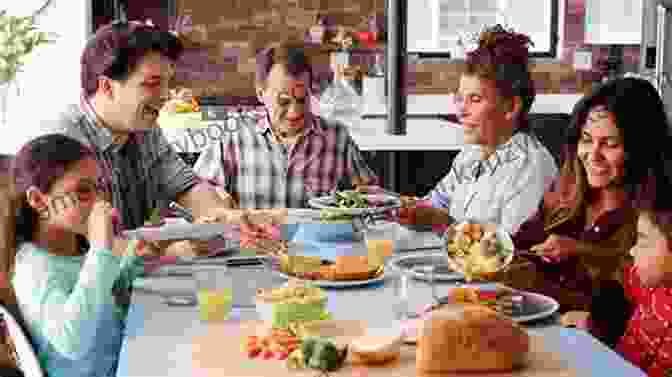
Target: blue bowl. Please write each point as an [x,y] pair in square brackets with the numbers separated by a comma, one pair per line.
[323,232]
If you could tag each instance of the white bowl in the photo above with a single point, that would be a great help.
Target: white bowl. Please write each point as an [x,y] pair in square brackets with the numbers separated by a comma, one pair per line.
[378,344]
[501,235]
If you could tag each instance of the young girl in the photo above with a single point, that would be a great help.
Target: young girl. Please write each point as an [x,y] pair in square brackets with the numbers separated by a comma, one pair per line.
[70,274]
[646,338]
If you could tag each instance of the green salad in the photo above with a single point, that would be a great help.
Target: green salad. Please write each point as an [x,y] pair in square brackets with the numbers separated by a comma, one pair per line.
[351,199]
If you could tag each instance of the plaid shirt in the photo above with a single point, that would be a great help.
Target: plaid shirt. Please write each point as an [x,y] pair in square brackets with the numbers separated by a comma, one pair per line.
[250,164]
[141,174]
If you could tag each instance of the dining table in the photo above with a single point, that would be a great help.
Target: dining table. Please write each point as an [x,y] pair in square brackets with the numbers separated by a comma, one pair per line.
[160,338]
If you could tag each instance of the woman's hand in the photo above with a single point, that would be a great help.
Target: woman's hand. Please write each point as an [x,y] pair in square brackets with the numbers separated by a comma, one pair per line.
[556,248]
[101,225]
[412,214]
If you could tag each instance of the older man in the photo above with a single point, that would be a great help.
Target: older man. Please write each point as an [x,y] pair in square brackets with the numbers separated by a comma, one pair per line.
[290,153]
[125,70]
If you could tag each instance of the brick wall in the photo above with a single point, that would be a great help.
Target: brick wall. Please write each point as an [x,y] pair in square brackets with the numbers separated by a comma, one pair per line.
[236,30]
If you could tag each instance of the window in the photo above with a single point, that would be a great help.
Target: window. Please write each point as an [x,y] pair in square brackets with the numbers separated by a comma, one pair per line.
[434,26]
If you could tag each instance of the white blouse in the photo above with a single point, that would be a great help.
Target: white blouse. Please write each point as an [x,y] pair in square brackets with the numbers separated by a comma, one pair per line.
[505,189]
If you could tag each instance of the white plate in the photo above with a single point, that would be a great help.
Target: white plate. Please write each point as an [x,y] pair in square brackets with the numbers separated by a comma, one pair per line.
[328,202]
[333,284]
[538,307]
[416,263]
[179,231]
[542,307]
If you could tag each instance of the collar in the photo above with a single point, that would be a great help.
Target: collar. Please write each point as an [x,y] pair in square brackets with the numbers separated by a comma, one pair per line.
[101,135]
[514,149]
[312,125]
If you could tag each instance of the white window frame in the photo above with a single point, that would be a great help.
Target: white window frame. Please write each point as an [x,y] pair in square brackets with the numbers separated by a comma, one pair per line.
[439,42]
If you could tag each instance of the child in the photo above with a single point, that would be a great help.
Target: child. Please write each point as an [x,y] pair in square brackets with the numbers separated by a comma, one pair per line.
[646,339]
[70,274]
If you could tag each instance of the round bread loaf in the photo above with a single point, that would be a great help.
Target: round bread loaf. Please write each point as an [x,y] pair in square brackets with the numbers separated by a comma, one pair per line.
[470,338]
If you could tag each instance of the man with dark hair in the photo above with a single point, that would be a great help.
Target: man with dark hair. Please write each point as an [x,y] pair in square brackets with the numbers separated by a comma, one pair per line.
[291,153]
[126,68]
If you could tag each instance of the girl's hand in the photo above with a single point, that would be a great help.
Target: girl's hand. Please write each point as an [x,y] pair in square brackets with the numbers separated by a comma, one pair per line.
[101,224]
[556,248]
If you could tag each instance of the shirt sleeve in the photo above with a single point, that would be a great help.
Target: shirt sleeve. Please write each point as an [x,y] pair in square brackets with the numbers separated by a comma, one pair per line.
[357,166]
[531,232]
[132,265]
[442,193]
[210,165]
[174,175]
[69,317]
[527,194]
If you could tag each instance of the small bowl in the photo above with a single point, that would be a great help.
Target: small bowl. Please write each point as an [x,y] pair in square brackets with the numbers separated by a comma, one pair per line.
[502,236]
[378,345]
[325,232]
[267,310]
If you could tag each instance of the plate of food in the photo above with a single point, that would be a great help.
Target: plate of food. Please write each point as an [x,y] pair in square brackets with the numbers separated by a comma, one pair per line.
[418,266]
[477,250]
[353,203]
[345,271]
[520,306]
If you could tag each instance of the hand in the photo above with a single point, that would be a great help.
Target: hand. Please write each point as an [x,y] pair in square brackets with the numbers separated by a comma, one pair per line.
[143,248]
[187,248]
[556,248]
[411,214]
[101,224]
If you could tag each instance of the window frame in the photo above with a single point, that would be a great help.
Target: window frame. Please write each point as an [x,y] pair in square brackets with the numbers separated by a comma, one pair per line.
[551,53]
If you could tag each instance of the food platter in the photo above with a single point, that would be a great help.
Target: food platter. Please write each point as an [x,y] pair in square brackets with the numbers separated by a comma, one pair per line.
[383,202]
[324,283]
[417,265]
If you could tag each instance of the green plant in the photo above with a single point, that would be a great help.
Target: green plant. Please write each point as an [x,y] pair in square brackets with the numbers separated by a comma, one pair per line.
[19,36]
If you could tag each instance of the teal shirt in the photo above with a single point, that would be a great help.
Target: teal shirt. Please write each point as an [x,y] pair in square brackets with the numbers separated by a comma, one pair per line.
[75,307]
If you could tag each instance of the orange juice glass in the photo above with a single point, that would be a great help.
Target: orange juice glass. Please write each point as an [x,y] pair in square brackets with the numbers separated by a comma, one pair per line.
[214,291]
[381,241]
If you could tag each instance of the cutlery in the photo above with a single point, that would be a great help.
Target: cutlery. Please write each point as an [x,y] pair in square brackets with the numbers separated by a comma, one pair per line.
[182,212]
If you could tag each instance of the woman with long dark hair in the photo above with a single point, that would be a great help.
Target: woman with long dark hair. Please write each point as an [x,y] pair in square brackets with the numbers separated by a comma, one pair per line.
[586,223]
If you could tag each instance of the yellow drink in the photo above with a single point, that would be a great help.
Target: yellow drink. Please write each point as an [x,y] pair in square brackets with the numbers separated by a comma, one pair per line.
[215,305]
[378,251]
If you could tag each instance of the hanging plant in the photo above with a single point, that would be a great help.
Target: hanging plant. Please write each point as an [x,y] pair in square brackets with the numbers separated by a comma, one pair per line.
[19,36]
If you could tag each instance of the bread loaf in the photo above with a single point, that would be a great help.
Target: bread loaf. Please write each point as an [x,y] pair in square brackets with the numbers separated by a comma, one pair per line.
[470,338]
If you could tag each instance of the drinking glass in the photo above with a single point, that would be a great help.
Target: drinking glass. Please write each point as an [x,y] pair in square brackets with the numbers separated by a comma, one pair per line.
[214,292]
[402,285]
[382,239]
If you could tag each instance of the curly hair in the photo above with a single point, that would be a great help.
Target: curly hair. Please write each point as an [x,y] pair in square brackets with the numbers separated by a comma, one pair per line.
[502,56]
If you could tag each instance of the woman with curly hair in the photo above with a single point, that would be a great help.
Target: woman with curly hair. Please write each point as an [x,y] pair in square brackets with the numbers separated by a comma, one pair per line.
[503,171]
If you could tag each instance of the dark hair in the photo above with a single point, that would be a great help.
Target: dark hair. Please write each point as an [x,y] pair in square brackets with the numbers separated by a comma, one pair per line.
[39,163]
[290,54]
[653,199]
[640,116]
[116,49]
[502,56]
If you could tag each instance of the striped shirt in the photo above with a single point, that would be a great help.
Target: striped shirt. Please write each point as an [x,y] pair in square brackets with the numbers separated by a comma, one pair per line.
[142,174]
[505,189]
[250,164]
